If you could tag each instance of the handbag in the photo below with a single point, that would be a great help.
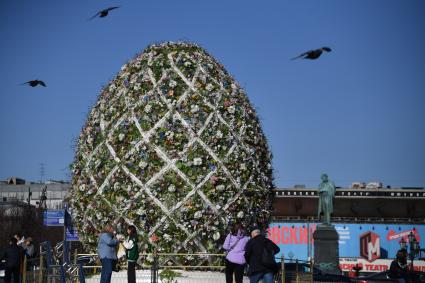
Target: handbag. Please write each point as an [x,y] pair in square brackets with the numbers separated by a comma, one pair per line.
[115,265]
[121,251]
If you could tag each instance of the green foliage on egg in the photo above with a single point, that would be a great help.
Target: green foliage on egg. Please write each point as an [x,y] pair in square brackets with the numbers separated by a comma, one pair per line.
[174,147]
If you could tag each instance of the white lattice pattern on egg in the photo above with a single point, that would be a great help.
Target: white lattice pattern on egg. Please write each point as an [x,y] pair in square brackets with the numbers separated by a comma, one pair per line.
[170,164]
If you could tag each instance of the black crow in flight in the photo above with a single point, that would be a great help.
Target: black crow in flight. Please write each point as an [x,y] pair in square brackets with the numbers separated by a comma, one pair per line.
[35,83]
[104,12]
[313,54]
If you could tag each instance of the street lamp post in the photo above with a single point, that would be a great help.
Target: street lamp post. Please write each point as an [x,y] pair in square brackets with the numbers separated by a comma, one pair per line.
[413,247]
[403,244]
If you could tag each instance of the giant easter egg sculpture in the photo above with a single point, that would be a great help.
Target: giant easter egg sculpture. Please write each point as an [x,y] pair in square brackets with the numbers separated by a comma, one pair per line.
[174,147]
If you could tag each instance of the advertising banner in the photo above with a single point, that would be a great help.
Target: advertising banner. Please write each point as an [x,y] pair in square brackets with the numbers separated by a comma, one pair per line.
[365,243]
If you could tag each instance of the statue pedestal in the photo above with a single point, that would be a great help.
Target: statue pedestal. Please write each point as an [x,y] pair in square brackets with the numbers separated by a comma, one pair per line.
[326,251]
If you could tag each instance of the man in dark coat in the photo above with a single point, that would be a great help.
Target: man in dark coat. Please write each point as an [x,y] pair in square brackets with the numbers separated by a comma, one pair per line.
[254,250]
[398,267]
[12,254]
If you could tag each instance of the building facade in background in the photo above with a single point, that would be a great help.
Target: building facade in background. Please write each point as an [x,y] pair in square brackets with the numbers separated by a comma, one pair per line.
[48,195]
[370,221]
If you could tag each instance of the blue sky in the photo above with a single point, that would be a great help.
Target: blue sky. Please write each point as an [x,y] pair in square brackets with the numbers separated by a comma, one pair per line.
[357,113]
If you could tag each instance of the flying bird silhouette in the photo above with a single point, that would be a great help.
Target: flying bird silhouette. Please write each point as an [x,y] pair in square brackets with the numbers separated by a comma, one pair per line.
[313,54]
[104,12]
[34,83]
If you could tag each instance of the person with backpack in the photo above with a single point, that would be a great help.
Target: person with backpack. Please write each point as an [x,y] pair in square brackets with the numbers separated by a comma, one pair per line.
[132,253]
[259,254]
[234,245]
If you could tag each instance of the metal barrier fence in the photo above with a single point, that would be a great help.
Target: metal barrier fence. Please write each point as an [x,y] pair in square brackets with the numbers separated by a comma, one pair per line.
[86,269]
[48,268]
[153,264]
[293,271]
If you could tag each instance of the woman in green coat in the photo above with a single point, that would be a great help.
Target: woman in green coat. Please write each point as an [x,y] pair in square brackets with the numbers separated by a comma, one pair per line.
[132,253]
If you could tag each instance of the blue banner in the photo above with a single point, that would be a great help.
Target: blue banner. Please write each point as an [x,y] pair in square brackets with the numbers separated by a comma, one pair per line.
[54,218]
[71,234]
[368,241]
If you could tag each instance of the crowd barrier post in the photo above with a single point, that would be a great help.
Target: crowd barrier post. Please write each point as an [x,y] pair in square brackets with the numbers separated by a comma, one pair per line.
[297,276]
[24,270]
[154,269]
[75,256]
[311,271]
[282,269]
[40,270]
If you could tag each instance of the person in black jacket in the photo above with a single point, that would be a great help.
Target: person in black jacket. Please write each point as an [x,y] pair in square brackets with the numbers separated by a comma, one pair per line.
[12,255]
[398,267]
[254,255]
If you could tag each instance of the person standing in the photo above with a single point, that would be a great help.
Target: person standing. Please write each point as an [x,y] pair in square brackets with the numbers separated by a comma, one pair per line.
[12,255]
[399,267]
[106,249]
[254,255]
[29,248]
[29,253]
[132,253]
[235,246]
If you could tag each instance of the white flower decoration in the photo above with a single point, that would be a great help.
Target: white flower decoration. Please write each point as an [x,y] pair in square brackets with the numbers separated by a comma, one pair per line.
[169,134]
[197,161]
[194,108]
[171,188]
[112,87]
[220,187]
[197,215]
[142,164]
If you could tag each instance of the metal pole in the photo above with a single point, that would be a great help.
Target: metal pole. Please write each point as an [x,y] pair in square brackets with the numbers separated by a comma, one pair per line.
[65,246]
[40,271]
[154,269]
[282,269]
[311,270]
[75,256]
[24,271]
[308,241]
[296,271]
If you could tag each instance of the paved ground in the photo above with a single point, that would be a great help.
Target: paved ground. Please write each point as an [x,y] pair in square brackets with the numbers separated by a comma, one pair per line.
[144,276]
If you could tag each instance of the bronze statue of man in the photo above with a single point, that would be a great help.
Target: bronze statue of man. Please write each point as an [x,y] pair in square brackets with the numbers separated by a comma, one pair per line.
[326,195]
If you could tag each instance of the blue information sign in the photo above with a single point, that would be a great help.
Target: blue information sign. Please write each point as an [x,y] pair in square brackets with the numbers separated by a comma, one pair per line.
[71,234]
[54,218]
